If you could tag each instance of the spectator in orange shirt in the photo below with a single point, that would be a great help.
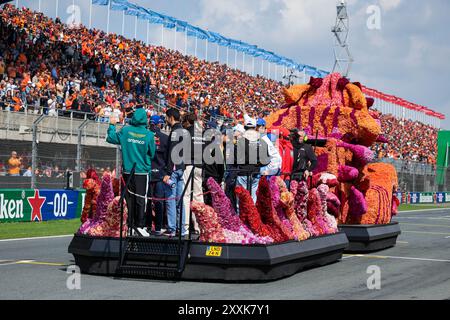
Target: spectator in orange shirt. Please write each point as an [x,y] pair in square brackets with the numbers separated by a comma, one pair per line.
[14,164]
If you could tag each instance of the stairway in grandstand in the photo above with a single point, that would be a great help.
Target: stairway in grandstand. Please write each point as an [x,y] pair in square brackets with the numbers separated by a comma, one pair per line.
[154,257]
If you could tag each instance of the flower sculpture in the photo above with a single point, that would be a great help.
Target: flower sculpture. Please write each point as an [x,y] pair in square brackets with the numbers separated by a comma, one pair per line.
[287,202]
[212,231]
[278,205]
[337,110]
[96,225]
[331,222]
[208,221]
[268,215]
[110,226]
[250,215]
[92,186]
[235,230]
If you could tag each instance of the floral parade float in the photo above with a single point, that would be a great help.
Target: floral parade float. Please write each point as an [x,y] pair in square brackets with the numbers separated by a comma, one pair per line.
[284,232]
[360,193]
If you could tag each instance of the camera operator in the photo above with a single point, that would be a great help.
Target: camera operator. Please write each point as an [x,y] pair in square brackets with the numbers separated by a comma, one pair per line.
[305,159]
[215,169]
[251,154]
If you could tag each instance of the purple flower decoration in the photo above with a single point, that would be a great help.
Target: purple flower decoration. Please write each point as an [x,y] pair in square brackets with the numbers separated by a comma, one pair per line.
[357,202]
[347,173]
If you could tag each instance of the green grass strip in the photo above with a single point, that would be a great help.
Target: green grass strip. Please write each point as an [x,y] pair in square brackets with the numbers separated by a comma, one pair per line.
[16,230]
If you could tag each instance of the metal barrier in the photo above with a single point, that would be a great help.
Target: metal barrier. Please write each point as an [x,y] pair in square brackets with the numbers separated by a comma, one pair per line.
[50,145]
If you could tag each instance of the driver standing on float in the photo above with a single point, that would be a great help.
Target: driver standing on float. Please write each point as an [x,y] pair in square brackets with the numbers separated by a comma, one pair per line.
[137,146]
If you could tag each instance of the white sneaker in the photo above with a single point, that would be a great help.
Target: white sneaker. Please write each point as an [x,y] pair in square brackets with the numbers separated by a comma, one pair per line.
[142,232]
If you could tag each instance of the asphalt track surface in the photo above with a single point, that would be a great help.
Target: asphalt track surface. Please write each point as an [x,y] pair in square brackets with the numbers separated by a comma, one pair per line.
[417,268]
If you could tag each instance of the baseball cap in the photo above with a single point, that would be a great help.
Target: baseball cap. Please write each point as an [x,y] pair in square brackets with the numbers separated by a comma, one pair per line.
[239,128]
[155,119]
[261,122]
[251,123]
[211,124]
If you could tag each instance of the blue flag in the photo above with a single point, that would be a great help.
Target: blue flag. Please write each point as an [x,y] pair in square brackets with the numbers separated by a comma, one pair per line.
[149,15]
[101,2]
[119,5]
[219,39]
[133,10]
[181,25]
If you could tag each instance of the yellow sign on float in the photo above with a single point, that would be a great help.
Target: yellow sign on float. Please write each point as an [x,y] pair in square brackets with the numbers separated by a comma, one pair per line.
[212,251]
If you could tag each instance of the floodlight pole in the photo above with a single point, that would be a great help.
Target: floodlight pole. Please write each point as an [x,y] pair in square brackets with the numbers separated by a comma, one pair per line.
[343,59]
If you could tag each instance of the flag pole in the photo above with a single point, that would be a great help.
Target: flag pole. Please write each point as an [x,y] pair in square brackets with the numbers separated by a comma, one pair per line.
[123,23]
[109,12]
[253,66]
[162,35]
[217,52]
[73,8]
[148,25]
[195,50]
[175,30]
[206,59]
[227,57]
[90,14]
[56,8]
[185,41]
[135,27]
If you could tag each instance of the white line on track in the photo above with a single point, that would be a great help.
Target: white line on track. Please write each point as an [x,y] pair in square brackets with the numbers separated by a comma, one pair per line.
[424,210]
[424,218]
[396,257]
[37,238]
[425,225]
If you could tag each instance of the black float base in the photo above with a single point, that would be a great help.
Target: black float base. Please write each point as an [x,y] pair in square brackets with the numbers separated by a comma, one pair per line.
[94,255]
[370,238]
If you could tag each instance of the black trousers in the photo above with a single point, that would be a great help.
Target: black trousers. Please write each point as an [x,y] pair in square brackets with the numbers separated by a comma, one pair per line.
[137,200]
[156,189]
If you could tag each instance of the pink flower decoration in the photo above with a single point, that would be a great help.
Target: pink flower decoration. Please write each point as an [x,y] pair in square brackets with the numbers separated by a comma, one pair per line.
[357,202]
[208,221]
[104,198]
[347,173]
[268,213]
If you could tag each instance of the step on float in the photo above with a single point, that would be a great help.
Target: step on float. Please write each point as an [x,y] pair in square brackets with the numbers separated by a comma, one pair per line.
[207,261]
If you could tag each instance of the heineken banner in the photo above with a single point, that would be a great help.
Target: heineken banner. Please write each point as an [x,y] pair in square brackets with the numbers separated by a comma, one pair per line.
[40,205]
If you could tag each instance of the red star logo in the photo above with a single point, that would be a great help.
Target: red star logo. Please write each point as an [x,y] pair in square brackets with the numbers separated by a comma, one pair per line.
[36,203]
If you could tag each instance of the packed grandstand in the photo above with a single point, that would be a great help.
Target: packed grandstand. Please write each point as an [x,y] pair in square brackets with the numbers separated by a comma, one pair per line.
[49,67]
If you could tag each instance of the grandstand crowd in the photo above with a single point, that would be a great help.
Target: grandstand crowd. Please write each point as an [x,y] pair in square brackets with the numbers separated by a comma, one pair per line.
[47,66]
